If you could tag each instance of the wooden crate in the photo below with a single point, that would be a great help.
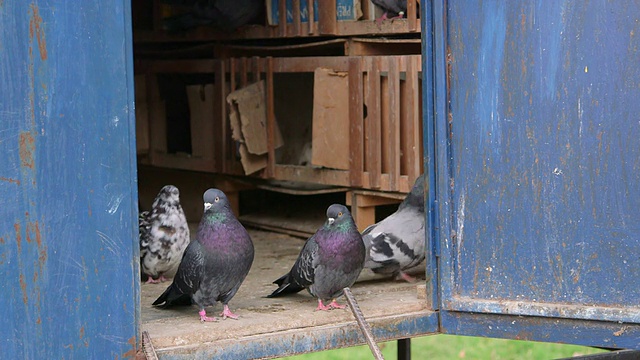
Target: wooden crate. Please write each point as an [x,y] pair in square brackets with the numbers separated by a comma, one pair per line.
[384,149]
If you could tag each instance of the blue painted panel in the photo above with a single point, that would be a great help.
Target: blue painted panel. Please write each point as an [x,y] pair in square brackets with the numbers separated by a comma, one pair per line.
[537,159]
[68,254]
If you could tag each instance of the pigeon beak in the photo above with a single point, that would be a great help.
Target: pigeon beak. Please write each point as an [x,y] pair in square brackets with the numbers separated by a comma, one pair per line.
[331,220]
[207,206]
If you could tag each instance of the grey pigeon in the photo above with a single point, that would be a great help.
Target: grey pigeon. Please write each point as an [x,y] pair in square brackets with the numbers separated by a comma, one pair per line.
[225,15]
[164,234]
[393,8]
[397,243]
[215,264]
[330,260]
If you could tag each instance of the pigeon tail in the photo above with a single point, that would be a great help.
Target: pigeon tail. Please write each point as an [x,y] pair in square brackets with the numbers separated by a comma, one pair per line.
[285,287]
[171,297]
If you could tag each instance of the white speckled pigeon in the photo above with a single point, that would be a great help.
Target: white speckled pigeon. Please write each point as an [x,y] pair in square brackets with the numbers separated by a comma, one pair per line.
[395,8]
[215,264]
[330,260]
[164,234]
[397,243]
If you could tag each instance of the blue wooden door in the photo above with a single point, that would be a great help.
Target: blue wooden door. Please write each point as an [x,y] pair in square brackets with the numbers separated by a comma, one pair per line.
[534,151]
[68,196]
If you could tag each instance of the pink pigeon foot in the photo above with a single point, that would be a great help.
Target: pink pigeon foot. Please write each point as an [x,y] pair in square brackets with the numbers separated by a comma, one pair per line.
[400,16]
[322,307]
[226,313]
[408,278]
[335,305]
[204,317]
[150,280]
[381,19]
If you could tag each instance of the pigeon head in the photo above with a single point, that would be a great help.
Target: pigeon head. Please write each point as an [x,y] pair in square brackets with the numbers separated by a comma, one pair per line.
[215,200]
[337,215]
[168,194]
[416,196]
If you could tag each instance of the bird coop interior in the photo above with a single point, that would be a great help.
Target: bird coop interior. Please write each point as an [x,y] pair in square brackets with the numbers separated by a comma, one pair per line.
[286,116]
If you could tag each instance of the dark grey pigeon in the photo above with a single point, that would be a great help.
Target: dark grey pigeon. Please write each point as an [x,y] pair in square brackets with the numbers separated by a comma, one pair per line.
[391,8]
[215,263]
[225,15]
[330,260]
[397,243]
[164,234]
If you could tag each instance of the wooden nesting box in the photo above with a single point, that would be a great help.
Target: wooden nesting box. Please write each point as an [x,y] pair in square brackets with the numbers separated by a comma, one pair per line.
[374,123]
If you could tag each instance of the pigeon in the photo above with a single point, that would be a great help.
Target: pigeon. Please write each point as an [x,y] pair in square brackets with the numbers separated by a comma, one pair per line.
[164,234]
[397,243]
[215,264]
[397,8]
[329,261]
[226,15]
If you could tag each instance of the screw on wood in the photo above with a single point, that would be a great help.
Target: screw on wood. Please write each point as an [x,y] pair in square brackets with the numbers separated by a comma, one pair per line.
[364,325]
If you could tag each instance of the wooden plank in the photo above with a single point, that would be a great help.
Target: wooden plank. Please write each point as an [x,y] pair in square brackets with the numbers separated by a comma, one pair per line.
[256,68]
[384,120]
[271,121]
[200,98]
[312,175]
[327,21]
[218,120]
[356,103]
[180,66]
[295,9]
[394,123]
[311,22]
[244,72]
[410,126]
[412,15]
[282,18]
[374,136]
[330,124]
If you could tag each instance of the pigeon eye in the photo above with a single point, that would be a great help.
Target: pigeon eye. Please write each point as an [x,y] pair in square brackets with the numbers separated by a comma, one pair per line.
[217,199]
[340,214]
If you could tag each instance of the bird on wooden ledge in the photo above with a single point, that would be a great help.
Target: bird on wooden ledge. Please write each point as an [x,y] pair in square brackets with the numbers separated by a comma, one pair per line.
[393,9]
[225,15]
[164,235]
[215,264]
[329,261]
[397,243]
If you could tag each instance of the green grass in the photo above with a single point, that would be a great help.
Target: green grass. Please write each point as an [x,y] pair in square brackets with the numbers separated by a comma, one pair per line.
[441,347]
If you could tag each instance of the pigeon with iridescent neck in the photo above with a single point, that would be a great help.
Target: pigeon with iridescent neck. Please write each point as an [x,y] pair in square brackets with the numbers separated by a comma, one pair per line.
[329,261]
[215,264]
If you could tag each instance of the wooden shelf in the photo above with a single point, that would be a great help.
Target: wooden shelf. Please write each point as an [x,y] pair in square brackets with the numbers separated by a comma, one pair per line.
[343,29]
[288,325]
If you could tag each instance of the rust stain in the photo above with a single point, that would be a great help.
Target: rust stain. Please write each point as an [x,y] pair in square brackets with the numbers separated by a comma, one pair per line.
[10,180]
[621,331]
[23,287]
[35,28]
[81,332]
[1,240]
[16,226]
[26,149]
[131,354]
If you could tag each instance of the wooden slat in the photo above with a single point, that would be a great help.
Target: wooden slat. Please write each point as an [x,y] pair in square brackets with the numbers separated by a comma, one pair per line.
[282,18]
[373,143]
[312,15]
[180,66]
[271,120]
[312,175]
[295,9]
[411,135]
[221,140]
[356,159]
[327,21]
[244,70]
[394,123]
[223,126]
[232,74]
[412,15]
[256,68]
